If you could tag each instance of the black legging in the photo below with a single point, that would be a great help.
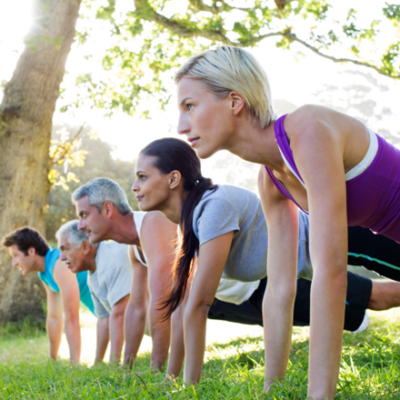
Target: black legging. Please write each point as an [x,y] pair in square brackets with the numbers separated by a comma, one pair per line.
[374,252]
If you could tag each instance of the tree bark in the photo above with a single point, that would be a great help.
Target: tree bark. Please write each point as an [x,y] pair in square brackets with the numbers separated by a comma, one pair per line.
[26,114]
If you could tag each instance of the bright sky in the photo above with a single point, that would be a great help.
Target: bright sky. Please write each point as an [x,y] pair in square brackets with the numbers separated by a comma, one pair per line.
[296,80]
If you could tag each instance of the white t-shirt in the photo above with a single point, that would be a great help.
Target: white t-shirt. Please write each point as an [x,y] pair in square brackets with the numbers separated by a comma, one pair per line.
[234,291]
[112,279]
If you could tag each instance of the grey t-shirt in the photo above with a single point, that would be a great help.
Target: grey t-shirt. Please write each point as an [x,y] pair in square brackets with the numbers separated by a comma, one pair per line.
[112,279]
[230,208]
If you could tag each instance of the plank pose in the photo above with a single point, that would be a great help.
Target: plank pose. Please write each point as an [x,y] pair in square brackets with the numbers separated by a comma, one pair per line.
[109,280]
[31,253]
[104,213]
[316,159]
[224,226]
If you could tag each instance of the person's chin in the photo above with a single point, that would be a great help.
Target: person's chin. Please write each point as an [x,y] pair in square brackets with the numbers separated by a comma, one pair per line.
[95,239]
[204,152]
[145,207]
[73,269]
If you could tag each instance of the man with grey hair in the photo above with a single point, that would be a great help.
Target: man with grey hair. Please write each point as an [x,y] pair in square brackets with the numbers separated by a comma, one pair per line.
[104,213]
[109,280]
[31,253]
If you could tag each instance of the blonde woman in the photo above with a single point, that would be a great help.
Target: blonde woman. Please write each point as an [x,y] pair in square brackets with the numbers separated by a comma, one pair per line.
[317,159]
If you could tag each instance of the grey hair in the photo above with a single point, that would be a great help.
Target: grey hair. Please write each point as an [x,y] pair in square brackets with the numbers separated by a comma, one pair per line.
[100,190]
[76,237]
[226,69]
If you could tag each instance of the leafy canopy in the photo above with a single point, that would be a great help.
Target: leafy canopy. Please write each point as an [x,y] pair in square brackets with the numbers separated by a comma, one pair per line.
[150,41]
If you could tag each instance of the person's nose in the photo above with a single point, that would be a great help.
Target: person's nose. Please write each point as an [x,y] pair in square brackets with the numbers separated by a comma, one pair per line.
[62,256]
[81,225]
[135,186]
[183,125]
[14,262]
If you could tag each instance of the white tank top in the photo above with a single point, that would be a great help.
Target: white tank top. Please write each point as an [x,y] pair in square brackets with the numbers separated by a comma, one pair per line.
[138,217]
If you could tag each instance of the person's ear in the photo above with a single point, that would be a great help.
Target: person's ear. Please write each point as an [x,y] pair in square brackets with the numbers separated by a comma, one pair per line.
[174,179]
[237,102]
[31,251]
[108,209]
[85,247]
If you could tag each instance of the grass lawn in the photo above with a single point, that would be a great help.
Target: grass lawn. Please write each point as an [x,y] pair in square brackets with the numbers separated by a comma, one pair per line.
[233,369]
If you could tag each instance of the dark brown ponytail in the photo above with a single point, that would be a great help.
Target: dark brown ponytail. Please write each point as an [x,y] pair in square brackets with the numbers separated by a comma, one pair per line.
[176,155]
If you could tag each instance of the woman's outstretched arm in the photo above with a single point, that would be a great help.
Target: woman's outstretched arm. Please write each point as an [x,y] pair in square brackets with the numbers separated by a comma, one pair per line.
[318,151]
[177,348]
[211,262]
[283,227]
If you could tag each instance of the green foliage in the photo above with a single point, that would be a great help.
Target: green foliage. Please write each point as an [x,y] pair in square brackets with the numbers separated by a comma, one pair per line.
[392,11]
[65,150]
[98,160]
[369,370]
[22,329]
[151,42]
[106,12]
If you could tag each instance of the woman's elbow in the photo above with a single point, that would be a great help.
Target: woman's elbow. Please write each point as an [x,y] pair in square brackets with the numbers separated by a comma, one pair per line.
[283,292]
[197,309]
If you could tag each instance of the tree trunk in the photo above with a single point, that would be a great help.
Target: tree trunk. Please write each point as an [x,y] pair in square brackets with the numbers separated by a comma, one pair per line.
[26,114]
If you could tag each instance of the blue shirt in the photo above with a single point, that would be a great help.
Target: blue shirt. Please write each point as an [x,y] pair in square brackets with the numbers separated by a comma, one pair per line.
[48,278]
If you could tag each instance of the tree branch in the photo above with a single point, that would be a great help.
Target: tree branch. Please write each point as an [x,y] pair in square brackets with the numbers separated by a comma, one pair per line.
[145,10]
[200,6]
[294,38]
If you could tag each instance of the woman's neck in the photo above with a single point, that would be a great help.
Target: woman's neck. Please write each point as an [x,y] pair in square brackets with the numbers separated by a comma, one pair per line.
[173,207]
[256,145]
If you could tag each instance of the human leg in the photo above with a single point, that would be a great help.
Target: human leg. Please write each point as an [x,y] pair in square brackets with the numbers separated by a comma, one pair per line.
[243,313]
[385,294]
[357,298]
[374,252]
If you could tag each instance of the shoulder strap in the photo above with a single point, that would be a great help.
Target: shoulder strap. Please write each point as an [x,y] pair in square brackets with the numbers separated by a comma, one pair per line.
[284,148]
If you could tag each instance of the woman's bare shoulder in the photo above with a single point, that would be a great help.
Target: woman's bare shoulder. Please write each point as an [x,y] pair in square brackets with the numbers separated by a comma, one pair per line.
[309,118]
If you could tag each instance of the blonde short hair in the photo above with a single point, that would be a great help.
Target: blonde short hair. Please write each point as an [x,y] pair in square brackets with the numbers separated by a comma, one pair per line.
[227,68]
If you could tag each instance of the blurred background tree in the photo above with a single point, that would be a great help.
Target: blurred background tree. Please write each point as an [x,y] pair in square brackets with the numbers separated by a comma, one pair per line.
[97,161]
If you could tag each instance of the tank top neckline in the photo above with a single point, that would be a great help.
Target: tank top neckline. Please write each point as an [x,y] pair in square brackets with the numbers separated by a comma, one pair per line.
[287,155]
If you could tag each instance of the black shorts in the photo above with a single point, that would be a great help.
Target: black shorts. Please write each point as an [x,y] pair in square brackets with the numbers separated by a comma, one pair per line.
[374,252]
[243,313]
[357,300]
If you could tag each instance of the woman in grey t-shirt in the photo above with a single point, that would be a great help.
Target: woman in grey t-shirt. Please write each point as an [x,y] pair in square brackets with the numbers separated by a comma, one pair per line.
[223,225]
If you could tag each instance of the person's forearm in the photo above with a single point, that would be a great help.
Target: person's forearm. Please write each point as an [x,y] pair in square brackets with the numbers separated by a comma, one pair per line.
[116,337]
[195,322]
[54,328]
[160,334]
[177,353]
[73,333]
[278,323]
[135,325]
[103,337]
[328,296]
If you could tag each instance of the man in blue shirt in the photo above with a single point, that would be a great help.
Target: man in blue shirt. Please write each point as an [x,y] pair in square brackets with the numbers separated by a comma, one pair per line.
[31,253]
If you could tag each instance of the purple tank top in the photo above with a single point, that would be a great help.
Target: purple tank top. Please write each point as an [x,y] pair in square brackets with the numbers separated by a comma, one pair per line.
[373,197]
